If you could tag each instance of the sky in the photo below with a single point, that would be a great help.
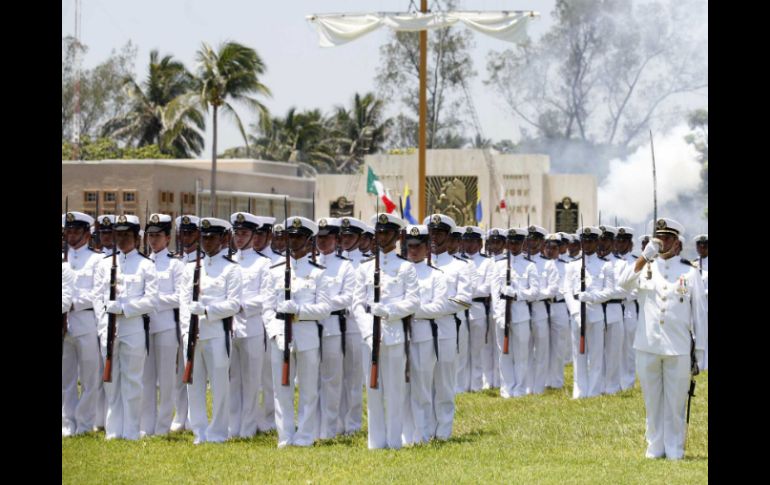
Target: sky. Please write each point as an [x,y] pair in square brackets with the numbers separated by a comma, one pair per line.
[299,72]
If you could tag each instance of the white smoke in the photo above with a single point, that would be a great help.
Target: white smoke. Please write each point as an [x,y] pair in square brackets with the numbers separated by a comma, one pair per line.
[627,190]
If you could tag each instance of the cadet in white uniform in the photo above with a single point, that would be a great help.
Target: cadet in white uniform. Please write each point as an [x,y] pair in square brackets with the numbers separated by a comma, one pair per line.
[673,314]
[524,287]
[539,345]
[351,402]
[220,297]
[189,236]
[559,315]
[249,341]
[600,286]
[107,242]
[135,295]
[613,313]
[419,410]
[309,304]
[624,242]
[399,298]
[162,369]
[339,281]
[481,336]
[702,263]
[463,371]
[495,244]
[80,350]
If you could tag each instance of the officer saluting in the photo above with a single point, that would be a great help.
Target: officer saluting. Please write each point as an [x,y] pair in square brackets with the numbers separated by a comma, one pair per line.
[673,313]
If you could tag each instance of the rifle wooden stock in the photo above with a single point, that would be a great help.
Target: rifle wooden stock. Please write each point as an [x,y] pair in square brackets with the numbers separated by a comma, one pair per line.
[192,336]
[112,319]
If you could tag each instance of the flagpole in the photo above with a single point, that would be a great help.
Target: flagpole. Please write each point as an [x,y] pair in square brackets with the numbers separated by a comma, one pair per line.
[423,194]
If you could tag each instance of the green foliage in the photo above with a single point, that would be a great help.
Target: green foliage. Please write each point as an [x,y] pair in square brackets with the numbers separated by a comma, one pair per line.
[108,149]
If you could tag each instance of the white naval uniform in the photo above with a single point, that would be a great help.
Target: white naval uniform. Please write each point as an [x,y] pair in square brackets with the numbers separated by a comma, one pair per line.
[351,402]
[399,292]
[539,342]
[672,305]
[267,397]
[481,335]
[458,283]
[248,349]
[136,291]
[630,318]
[514,365]
[705,276]
[600,286]
[308,293]
[162,368]
[339,281]
[418,406]
[101,396]
[220,294]
[463,344]
[80,351]
[558,339]
[491,357]
[182,415]
[614,332]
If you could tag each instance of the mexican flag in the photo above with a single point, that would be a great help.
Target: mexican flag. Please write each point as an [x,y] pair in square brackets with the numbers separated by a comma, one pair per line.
[374,186]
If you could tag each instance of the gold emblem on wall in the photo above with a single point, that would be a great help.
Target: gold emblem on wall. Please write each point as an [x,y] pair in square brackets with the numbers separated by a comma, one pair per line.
[454,197]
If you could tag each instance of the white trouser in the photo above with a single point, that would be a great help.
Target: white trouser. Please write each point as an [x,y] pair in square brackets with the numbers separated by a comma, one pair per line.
[514,365]
[101,397]
[539,348]
[587,368]
[558,341]
[158,383]
[628,355]
[385,404]
[81,354]
[477,350]
[331,385]
[304,366]
[418,405]
[351,402]
[444,375]
[266,410]
[246,360]
[463,378]
[490,357]
[568,346]
[665,380]
[212,363]
[182,409]
[124,393]
[613,348]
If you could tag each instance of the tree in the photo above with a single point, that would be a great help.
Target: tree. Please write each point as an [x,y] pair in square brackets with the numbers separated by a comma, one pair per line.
[358,132]
[108,149]
[449,63]
[229,75]
[101,95]
[149,119]
[605,70]
[698,121]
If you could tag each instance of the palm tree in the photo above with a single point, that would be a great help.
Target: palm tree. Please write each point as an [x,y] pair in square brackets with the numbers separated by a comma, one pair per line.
[297,137]
[359,131]
[227,75]
[147,122]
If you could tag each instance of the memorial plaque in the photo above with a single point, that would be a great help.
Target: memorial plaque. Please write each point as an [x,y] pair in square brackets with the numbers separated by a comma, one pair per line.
[341,207]
[566,216]
[454,197]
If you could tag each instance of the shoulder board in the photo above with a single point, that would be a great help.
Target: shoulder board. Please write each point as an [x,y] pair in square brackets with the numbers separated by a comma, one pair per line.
[437,269]
[459,258]
[343,257]
[602,258]
[688,262]
[367,259]
[527,258]
[559,259]
[145,256]
[367,255]
[402,257]
[317,265]
[543,257]
[282,263]
[577,258]
[230,259]
[172,255]
[108,256]
[618,256]
[261,254]
[484,255]
[94,250]
[635,256]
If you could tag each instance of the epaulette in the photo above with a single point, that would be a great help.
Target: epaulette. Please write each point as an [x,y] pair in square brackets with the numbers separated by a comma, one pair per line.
[619,257]
[317,265]
[484,255]
[688,262]
[230,259]
[261,254]
[559,259]
[343,257]
[94,250]
[367,255]
[437,269]
[172,255]
[527,258]
[403,257]
[282,263]
[144,256]
[110,255]
[459,258]
[602,258]
[635,256]
[544,257]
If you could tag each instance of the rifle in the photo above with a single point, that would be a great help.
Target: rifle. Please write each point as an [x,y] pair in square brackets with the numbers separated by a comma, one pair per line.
[694,371]
[377,323]
[146,219]
[287,317]
[507,329]
[192,336]
[179,230]
[406,321]
[582,303]
[111,319]
[65,258]
[313,238]
[654,202]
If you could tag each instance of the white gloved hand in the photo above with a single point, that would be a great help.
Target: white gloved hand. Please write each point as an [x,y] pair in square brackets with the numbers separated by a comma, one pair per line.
[652,249]
[113,307]
[585,296]
[509,291]
[380,310]
[197,308]
[288,306]
[279,341]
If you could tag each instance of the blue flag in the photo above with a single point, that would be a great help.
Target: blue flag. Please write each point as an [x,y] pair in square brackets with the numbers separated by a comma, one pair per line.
[479,213]
[408,206]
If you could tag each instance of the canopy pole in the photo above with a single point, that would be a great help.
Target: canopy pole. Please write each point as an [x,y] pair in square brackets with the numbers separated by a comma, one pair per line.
[423,197]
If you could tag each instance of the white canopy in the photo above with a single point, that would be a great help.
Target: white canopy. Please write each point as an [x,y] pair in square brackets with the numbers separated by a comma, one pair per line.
[338,29]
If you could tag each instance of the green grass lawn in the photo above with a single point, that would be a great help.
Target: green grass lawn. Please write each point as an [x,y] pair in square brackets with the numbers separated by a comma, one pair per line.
[536,439]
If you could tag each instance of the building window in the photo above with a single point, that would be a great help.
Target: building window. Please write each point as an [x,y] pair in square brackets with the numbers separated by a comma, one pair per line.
[129,213]
[162,197]
[171,197]
[109,197]
[184,198]
[129,196]
[192,198]
[90,196]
